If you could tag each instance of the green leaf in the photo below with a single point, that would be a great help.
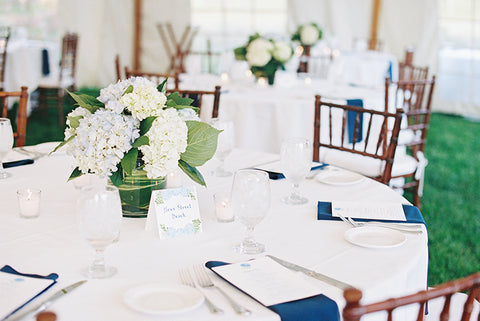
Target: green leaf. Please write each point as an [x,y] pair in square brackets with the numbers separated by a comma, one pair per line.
[140,141]
[240,53]
[202,143]
[191,172]
[86,101]
[74,121]
[117,177]
[146,124]
[61,144]
[128,90]
[76,173]
[129,160]
[163,86]
[176,98]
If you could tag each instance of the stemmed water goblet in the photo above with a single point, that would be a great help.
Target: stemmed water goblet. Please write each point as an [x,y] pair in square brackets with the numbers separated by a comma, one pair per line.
[6,143]
[250,202]
[99,219]
[224,146]
[296,161]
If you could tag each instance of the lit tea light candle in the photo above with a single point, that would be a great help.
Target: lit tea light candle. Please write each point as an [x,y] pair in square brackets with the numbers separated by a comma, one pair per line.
[224,78]
[223,208]
[29,202]
[262,82]
[174,179]
[308,81]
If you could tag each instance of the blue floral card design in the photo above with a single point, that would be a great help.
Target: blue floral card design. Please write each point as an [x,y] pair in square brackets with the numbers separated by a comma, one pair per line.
[174,212]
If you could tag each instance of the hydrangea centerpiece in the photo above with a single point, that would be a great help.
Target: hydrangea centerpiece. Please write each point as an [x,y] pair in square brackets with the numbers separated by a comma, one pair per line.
[308,34]
[134,123]
[264,56]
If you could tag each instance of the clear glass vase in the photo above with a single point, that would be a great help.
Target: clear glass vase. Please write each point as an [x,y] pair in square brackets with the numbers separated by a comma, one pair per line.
[135,192]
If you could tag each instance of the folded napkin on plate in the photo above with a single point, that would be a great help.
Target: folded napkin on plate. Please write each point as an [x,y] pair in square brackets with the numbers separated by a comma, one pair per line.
[351,120]
[277,175]
[318,307]
[412,214]
[17,163]
[51,276]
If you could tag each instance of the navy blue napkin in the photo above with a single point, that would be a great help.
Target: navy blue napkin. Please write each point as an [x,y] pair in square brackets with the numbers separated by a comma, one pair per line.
[45,63]
[51,276]
[315,308]
[17,163]
[277,175]
[412,214]
[351,120]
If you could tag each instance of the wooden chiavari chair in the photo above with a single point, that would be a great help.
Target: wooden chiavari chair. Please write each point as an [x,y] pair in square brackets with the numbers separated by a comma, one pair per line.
[354,310]
[198,95]
[154,76]
[378,145]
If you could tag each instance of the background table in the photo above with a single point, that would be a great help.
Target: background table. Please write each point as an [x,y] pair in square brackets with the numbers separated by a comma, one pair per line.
[52,243]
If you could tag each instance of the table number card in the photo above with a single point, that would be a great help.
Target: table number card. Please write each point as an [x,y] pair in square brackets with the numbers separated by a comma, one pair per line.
[174,212]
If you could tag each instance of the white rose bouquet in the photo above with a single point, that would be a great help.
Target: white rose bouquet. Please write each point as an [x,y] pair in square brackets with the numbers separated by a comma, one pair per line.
[307,35]
[264,56]
[133,122]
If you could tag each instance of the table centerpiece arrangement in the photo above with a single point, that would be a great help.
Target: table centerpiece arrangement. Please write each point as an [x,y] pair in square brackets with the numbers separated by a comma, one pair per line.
[264,56]
[307,35]
[135,135]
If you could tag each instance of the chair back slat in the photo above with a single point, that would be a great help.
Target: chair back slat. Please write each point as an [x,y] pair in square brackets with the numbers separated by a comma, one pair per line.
[21,119]
[373,144]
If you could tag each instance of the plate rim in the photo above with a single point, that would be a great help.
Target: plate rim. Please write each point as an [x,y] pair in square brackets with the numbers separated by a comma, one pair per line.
[358,180]
[160,286]
[347,236]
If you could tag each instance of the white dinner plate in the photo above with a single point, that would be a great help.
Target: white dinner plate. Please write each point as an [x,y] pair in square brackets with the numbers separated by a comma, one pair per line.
[158,299]
[339,177]
[374,237]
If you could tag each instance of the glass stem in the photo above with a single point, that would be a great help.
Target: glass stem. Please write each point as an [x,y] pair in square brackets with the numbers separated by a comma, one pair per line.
[99,260]
[295,189]
[249,235]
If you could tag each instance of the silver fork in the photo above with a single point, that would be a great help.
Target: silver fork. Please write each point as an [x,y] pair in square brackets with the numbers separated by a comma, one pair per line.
[395,226]
[187,279]
[205,282]
[406,229]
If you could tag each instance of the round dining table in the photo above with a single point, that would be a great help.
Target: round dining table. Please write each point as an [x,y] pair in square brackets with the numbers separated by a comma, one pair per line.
[51,243]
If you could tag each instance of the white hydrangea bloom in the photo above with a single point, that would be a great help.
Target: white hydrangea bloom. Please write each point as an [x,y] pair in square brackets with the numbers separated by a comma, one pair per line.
[259,52]
[144,101]
[282,51]
[188,114]
[79,111]
[101,140]
[168,139]
[309,35]
[260,44]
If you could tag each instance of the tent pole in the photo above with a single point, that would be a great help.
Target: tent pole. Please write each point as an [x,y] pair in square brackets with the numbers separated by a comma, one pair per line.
[137,35]
[374,27]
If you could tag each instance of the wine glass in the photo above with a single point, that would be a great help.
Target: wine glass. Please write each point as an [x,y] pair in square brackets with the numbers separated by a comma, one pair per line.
[224,146]
[99,218]
[296,161]
[250,202]
[6,144]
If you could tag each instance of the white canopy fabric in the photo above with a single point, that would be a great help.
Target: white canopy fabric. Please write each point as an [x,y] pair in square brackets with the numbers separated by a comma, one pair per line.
[106,29]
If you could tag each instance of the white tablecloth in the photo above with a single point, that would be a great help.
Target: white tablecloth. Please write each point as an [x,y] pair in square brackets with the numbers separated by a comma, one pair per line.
[264,115]
[52,243]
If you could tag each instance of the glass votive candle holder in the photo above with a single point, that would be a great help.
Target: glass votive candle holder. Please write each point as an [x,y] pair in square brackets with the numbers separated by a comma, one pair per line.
[223,207]
[29,202]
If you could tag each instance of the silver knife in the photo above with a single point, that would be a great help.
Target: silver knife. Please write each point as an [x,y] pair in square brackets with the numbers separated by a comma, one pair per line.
[44,305]
[311,273]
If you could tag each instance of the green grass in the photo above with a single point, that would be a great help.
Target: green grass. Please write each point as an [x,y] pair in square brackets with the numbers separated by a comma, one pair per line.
[450,201]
